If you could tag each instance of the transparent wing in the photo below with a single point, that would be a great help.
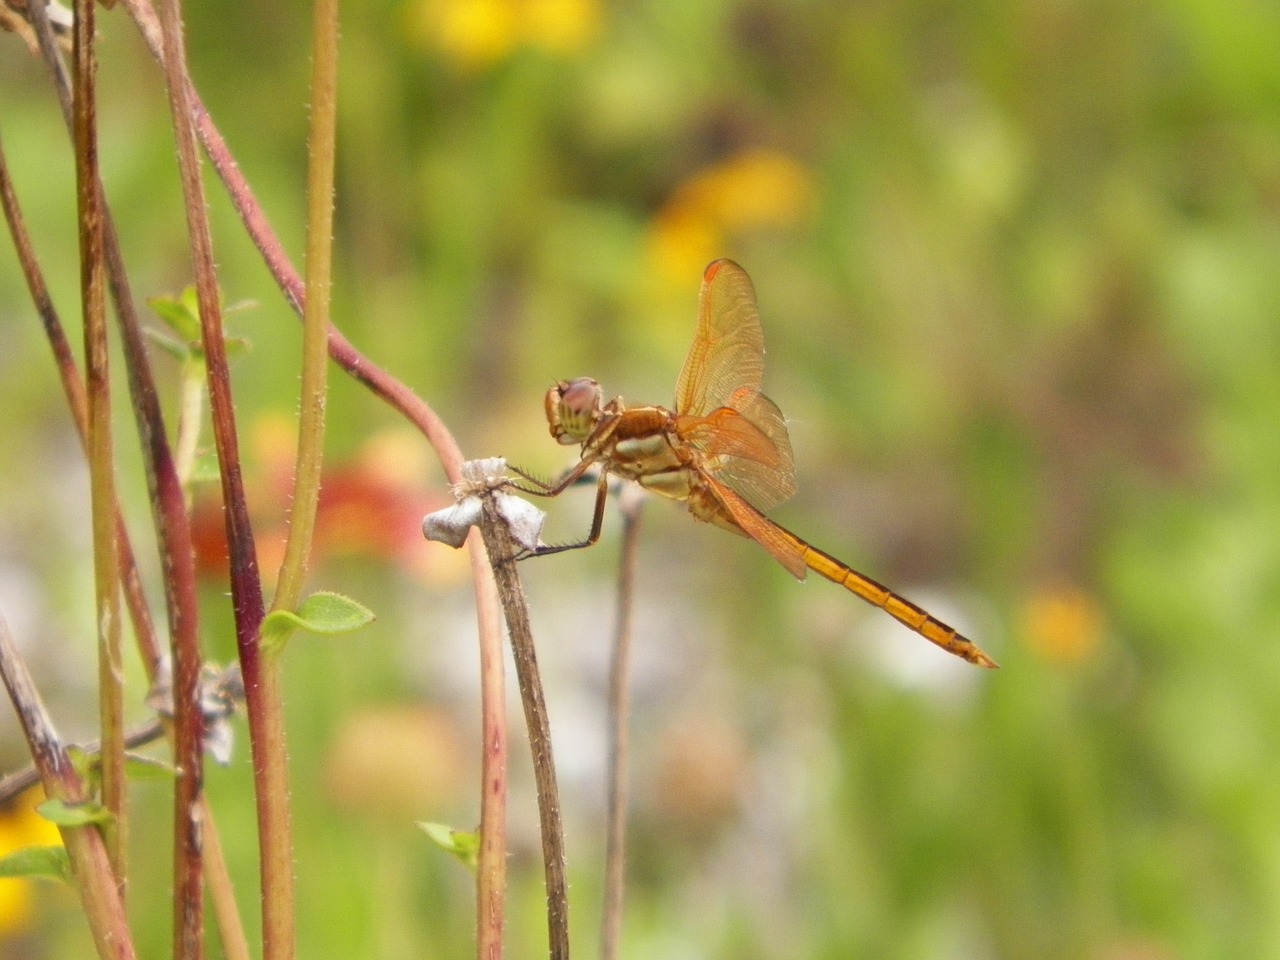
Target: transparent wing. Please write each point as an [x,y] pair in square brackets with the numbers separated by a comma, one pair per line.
[727,355]
[748,450]
[788,549]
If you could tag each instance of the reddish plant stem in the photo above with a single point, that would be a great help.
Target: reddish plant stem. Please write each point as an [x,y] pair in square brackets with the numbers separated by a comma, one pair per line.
[261,677]
[343,352]
[491,866]
[491,874]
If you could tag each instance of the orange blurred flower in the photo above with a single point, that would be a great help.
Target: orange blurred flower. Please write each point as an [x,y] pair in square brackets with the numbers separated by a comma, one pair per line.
[753,188]
[395,762]
[371,506]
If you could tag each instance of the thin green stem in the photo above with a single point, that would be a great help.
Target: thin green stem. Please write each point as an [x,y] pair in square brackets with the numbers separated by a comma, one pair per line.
[315,319]
[93,292]
[190,419]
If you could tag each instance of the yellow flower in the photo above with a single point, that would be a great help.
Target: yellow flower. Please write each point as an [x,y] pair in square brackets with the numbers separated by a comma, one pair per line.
[21,826]
[1063,624]
[476,34]
[752,189]
[563,27]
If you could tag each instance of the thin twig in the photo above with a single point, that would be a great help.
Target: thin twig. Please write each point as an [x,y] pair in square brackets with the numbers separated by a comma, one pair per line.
[630,502]
[501,549]
[103,905]
[20,781]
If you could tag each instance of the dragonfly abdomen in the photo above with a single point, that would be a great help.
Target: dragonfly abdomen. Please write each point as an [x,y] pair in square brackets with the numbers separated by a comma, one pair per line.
[898,607]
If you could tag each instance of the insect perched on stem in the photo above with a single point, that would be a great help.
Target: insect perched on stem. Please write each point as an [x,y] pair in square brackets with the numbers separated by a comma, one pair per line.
[724,450]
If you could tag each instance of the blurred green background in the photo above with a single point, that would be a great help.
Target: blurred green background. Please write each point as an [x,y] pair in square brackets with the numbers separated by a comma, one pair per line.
[1017,264]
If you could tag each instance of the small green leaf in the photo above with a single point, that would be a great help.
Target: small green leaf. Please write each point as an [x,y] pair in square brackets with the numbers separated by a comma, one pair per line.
[73,814]
[181,313]
[50,863]
[86,765]
[462,844]
[325,612]
[237,346]
[178,349]
[322,612]
[138,767]
[205,470]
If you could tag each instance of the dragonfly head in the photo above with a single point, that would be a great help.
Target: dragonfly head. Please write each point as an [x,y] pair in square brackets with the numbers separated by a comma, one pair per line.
[574,407]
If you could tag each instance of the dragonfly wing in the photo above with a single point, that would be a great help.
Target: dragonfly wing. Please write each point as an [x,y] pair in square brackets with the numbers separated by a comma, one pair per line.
[785,547]
[727,355]
[753,457]
[765,488]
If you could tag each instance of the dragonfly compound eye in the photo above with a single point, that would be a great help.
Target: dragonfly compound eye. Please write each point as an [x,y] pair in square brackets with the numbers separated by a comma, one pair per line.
[573,408]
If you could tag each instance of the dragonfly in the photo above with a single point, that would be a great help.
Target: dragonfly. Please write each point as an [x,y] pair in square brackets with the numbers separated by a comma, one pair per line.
[724,450]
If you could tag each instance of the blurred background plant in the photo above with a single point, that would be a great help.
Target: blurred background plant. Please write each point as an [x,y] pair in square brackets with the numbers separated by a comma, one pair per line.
[1017,268]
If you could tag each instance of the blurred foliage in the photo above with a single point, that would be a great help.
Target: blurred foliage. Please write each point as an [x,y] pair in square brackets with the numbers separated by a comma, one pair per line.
[1017,267]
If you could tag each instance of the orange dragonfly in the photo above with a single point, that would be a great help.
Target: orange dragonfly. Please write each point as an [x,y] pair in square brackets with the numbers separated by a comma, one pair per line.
[724,451]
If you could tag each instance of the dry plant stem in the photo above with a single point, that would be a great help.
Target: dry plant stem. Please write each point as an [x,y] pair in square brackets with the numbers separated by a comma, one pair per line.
[615,859]
[261,677]
[101,463]
[95,878]
[502,549]
[17,783]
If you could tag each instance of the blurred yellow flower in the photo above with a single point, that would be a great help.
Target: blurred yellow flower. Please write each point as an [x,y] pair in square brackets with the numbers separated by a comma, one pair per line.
[1063,624]
[21,826]
[560,26]
[754,188]
[476,34]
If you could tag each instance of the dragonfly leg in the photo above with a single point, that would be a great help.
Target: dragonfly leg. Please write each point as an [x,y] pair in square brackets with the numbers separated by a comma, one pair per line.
[537,487]
[597,524]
